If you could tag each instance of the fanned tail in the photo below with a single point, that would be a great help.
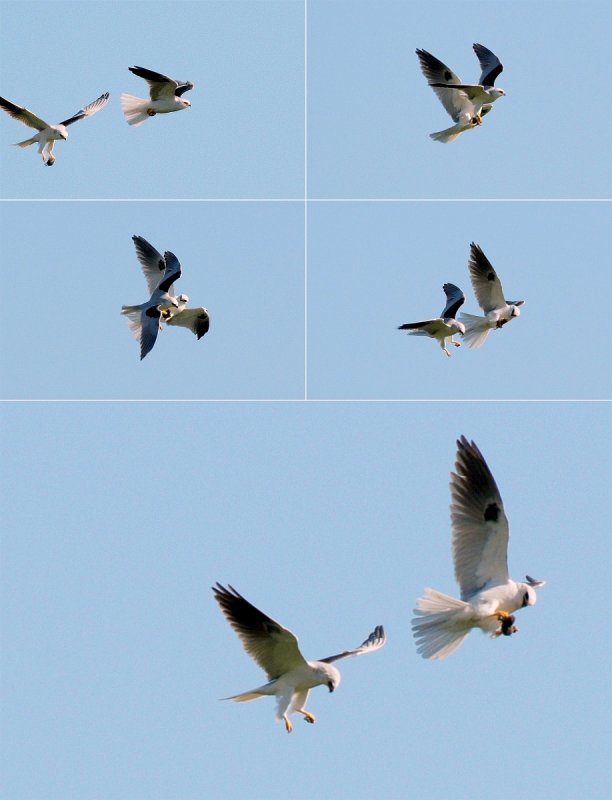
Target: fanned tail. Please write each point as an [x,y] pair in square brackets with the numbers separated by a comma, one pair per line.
[450,134]
[476,330]
[441,624]
[134,108]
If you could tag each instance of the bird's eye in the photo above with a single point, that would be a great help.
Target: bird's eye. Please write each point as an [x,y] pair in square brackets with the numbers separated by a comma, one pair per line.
[525,599]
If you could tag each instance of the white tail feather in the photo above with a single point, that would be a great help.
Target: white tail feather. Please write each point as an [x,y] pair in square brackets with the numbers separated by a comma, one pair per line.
[449,134]
[441,625]
[134,108]
[476,330]
[262,691]
[244,697]
[26,142]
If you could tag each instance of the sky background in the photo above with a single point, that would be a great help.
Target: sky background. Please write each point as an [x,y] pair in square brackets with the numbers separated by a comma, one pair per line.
[327,511]
[331,519]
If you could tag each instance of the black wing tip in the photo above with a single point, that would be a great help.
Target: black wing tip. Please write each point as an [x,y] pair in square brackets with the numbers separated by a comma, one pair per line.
[202,326]
[225,593]
[466,450]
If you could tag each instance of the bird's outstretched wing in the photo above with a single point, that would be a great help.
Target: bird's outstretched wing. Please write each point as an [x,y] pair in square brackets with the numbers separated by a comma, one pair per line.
[161,85]
[23,115]
[196,319]
[92,108]
[374,642]
[480,527]
[429,326]
[454,300]
[436,72]
[273,647]
[172,272]
[490,65]
[152,262]
[487,286]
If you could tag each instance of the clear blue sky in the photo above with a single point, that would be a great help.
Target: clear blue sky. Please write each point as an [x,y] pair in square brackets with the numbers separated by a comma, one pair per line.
[330,515]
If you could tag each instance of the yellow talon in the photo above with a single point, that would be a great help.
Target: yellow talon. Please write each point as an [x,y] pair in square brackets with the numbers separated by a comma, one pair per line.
[288,725]
[309,717]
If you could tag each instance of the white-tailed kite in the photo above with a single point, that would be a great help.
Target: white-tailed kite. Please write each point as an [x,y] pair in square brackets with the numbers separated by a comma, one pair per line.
[466,103]
[48,134]
[480,554]
[490,296]
[160,273]
[275,649]
[165,97]
[444,328]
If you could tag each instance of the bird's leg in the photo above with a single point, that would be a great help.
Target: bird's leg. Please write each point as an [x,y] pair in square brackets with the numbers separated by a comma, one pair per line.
[151,112]
[457,344]
[288,724]
[307,715]
[446,351]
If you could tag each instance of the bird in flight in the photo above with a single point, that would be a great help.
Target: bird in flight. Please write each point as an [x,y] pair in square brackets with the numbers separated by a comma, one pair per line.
[466,103]
[275,649]
[490,296]
[444,328]
[480,544]
[165,97]
[145,320]
[48,134]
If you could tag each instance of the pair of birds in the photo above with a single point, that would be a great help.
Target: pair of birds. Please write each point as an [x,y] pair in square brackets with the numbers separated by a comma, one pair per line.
[489,598]
[165,96]
[466,103]
[145,320]
[474,329]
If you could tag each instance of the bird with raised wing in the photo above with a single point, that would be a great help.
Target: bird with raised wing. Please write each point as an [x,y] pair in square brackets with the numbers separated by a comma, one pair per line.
[145,320]
[165,96]
[466,103]
[275,649]
[446,326]
[490,296]
[48,134]
[489,596]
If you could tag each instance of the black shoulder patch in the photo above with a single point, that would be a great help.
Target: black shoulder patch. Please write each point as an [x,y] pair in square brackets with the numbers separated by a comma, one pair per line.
[491,276]
[447,75]
[153,312]
[492,512]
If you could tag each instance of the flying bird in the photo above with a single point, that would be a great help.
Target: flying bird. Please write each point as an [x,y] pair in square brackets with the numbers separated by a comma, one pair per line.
[275,649]
[480,544]
[48,134]
[490,296]
[444,328]
[165,96]
[466,103]
[145,320]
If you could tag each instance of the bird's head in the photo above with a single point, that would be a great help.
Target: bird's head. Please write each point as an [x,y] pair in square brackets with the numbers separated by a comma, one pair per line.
[63,131]
[515,312]
[328,675]
[183,298]
[496,93]
[185,103]
[528,590]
